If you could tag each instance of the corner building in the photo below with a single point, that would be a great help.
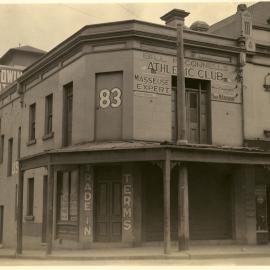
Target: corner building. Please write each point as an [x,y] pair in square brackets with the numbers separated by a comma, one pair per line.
[100,162]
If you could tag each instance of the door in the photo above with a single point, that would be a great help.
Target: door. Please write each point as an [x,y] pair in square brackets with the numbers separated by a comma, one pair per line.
[203,117]
[109,91]
[108,210]
[193,116]
[197,116]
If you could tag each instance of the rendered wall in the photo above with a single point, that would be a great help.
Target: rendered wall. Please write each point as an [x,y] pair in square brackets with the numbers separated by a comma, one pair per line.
[256,100]
[152,96]
[10,121]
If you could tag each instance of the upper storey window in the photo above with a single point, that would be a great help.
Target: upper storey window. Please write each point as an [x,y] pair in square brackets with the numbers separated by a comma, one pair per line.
[247,28]
[32,123]
[48,114]
[67,119]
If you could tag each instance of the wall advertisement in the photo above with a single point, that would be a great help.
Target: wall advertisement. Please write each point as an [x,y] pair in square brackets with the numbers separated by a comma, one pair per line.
[153,73]
[8,75]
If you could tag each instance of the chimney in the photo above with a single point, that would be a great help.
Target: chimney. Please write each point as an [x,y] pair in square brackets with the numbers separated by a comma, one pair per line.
[174,17]
[241,7]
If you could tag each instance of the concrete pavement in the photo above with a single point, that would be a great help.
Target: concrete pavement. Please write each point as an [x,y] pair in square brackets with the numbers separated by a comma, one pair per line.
[196,252]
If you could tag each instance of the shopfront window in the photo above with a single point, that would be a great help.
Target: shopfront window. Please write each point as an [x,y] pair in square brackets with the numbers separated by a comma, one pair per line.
[67,186]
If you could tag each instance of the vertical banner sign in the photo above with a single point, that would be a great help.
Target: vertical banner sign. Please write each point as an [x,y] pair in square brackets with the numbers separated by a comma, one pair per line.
[87,204]
[127,206]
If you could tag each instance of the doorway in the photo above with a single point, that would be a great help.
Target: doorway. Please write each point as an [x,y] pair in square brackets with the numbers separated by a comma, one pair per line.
[108,204]
[197,110]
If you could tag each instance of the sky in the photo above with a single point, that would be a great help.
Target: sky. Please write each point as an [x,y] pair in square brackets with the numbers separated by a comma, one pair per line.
[46,24]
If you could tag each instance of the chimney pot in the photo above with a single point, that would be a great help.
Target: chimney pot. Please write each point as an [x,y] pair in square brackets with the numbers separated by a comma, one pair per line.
[241,7]
[174,17]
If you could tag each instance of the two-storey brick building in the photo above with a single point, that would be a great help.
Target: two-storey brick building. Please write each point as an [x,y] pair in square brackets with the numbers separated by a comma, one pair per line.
[96,127]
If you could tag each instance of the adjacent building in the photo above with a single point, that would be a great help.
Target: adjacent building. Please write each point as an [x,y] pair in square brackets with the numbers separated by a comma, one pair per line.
[95,153]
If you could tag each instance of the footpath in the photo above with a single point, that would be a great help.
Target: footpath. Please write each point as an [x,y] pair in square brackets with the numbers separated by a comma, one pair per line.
[144,253]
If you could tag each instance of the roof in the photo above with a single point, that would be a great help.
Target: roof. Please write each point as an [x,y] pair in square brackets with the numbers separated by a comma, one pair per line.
[260,13]
[135,144]
[26,48]
[138,151]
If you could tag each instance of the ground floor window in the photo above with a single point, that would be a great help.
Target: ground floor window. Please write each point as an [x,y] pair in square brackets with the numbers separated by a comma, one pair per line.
[67,196]
[30,197]
[67,204]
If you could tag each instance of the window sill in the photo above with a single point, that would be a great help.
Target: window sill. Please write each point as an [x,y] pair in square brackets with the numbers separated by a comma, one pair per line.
[48,136]
[31,142]
[29,218]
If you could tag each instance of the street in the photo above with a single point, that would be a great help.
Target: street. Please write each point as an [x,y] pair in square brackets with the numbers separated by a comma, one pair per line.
[260,261]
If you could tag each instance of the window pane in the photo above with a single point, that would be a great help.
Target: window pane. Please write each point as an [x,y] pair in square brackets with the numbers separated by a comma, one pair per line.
[9,161]
[193,100]
[64,197]
[48,116]
[32,121]
[30,197]
[73,196]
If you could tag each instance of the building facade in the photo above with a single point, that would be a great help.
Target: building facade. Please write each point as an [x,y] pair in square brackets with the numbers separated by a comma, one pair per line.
[95,154]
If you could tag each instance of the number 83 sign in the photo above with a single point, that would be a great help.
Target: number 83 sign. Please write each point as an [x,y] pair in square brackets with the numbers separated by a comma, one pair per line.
[110,98]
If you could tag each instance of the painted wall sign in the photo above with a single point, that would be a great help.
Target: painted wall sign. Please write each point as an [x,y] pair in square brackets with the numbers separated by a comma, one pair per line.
[108,116]
[110,98]
[88,203]
[153,72]
[8,75]
[127,202]
[15,167]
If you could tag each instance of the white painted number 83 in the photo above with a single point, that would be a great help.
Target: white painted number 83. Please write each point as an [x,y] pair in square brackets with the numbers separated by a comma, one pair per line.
[110,98]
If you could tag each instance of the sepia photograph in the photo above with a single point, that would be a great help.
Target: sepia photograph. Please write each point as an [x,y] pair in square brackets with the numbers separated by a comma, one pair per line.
[134,134]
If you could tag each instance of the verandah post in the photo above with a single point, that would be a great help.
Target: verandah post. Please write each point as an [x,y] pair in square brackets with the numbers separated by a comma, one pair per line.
[50,208]
[183,214]
[20,211]
[166,188]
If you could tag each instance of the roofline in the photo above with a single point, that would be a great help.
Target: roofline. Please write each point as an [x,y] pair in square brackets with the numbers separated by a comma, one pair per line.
[147,152]
[155,145]
[74,38]
[18,50]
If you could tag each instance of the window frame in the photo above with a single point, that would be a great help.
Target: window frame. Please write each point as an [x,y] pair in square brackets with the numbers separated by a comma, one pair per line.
[2,146]
[67,108]
[32,123]
[60,193]
[30,199]
[10,157]
[48,128]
